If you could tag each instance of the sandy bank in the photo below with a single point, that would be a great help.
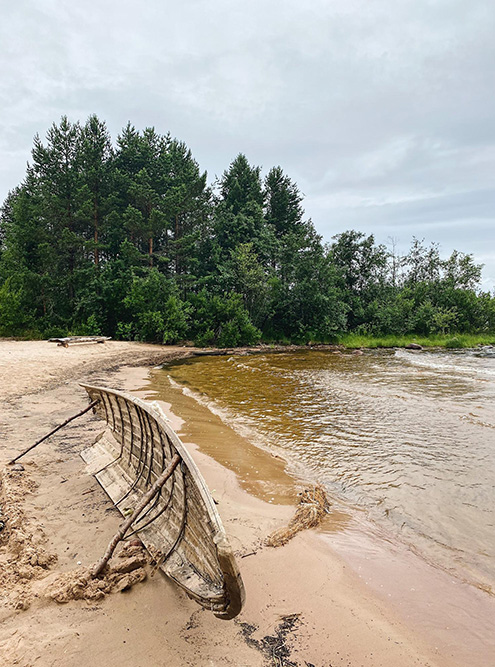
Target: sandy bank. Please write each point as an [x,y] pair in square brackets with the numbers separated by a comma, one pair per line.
[304,605]
[31,366]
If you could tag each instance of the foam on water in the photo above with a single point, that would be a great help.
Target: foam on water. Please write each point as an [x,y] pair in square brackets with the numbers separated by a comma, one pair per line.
[466,362]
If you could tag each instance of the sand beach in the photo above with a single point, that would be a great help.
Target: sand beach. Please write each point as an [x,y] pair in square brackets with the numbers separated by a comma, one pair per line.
[307,603]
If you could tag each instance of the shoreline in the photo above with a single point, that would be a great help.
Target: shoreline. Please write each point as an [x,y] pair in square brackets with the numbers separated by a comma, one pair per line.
[341,620]
[423,594]
[347,341]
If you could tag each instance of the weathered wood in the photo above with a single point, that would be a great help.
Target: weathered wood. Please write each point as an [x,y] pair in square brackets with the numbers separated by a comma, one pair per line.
[146,499]
[57,428]
[180,525]
[73,340]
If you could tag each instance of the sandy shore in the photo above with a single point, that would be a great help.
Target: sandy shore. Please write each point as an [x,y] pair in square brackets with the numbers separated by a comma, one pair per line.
[305,604]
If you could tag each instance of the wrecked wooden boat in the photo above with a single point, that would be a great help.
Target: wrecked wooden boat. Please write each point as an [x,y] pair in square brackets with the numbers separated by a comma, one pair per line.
[180,526]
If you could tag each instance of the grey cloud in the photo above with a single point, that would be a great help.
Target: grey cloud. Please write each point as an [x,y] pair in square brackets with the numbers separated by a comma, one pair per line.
[382,112]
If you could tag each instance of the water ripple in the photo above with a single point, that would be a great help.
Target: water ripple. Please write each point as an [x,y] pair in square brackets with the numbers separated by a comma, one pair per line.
[410,437]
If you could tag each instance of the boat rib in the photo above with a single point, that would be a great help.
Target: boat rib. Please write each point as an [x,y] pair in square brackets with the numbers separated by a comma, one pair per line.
[180,527]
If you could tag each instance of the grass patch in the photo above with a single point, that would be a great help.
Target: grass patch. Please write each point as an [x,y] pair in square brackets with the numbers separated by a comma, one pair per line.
[448,341]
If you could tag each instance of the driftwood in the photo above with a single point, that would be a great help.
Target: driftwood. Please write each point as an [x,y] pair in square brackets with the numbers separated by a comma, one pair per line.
[72,340]
[57,428]
[146,499]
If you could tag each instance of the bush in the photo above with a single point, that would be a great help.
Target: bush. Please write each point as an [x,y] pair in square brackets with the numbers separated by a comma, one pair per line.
[205,339]
[14,317]
[222,321]
[238,331]
[90,328]
[157,313]
[124,331]
[54,332]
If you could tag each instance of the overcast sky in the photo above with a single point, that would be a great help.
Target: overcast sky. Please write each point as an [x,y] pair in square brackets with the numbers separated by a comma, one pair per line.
[382,111]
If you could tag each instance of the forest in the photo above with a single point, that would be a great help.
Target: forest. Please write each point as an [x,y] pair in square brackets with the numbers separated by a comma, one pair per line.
[129,240]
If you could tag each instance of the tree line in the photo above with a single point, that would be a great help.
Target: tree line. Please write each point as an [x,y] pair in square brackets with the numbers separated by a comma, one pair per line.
[130,240]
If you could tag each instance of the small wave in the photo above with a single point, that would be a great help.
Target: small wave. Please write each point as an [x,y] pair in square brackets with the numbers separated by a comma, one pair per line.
[247,430]
[449,362]
[238,424]
[398,436]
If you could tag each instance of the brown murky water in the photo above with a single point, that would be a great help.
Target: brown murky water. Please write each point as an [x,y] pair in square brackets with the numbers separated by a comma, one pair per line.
[407,438]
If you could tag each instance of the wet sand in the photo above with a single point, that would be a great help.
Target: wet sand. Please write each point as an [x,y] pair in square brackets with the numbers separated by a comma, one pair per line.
[306,605]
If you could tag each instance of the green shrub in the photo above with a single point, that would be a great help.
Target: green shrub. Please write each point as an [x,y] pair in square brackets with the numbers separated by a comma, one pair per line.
[90,328]
[54,332]
[124,331]
[205,338]
[222,321]
[14,317]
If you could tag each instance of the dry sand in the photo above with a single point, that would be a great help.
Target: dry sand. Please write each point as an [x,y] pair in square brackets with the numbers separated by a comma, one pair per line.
[305,606]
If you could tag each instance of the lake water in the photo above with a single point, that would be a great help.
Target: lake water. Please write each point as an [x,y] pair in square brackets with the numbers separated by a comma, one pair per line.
[406,437]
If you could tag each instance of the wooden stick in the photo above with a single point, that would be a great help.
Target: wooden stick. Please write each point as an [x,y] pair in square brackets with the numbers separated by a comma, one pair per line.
[148,496]
[57,428]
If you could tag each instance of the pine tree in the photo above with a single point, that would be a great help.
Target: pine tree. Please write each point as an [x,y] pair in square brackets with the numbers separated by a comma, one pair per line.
[95,155]
[283,208]
[57,171]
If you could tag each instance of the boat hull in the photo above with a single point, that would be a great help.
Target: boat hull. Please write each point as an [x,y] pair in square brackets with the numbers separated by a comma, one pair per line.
[180,527]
